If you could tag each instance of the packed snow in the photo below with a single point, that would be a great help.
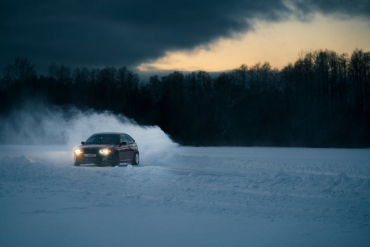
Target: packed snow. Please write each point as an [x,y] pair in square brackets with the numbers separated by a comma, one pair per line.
[177,196]
[188,196]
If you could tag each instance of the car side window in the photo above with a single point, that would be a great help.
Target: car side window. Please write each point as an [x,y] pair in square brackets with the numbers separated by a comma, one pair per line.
[129,139]
[122,138]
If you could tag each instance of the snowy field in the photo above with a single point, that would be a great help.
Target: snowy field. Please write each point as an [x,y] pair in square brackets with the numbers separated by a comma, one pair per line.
[177,196]
[186,196]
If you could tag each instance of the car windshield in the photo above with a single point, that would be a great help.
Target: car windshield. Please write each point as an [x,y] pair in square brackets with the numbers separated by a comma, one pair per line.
[103,139]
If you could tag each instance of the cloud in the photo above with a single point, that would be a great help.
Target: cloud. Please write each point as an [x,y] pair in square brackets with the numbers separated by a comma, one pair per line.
[96,33]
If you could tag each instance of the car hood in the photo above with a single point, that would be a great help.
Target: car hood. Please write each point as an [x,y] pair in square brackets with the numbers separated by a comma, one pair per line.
[98,146]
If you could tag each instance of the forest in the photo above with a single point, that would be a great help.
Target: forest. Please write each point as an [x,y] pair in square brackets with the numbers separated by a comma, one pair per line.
[320,100]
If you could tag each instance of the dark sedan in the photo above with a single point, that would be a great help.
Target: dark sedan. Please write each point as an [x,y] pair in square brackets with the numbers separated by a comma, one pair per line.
[107,149]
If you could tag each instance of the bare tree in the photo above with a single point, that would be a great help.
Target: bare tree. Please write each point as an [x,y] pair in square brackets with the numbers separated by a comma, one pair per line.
[22,70]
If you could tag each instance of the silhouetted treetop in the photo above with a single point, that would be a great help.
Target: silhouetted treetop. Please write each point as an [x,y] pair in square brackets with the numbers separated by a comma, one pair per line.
[320,100]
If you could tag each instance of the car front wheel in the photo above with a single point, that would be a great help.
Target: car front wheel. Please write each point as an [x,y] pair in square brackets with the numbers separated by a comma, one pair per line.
[114,161]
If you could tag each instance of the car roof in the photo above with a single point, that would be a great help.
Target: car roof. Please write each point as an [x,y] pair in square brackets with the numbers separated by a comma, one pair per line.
[110,133]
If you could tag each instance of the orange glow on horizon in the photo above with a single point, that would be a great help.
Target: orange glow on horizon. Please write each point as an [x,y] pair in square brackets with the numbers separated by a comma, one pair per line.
[276,43]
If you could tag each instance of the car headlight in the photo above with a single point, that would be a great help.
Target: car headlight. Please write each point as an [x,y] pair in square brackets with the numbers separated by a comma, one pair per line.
[78,151]
[105,151]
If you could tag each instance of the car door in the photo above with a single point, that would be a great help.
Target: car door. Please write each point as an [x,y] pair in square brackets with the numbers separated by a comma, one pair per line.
[131,148]
[124,149]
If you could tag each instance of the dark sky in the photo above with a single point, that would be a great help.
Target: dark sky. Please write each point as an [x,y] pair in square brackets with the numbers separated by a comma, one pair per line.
[96,33]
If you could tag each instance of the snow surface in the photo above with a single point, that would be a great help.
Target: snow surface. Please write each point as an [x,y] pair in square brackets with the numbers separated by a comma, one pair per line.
[177,196]
[186,196]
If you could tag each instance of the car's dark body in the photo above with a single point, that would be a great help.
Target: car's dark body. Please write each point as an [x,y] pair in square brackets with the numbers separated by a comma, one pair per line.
[110,148]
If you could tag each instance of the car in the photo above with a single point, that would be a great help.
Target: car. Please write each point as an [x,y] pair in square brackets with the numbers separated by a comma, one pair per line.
[107,149]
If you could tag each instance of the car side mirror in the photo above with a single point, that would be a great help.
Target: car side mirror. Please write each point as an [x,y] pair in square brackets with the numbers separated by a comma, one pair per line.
[83,143]
[123,143]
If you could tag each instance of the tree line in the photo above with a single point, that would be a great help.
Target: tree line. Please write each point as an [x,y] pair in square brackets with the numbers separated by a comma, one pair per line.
[320,100]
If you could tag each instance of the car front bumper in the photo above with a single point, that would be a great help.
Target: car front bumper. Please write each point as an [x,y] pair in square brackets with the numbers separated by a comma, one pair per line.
[94,159]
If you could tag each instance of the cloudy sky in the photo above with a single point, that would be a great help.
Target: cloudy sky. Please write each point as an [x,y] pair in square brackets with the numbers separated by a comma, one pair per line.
[189,35]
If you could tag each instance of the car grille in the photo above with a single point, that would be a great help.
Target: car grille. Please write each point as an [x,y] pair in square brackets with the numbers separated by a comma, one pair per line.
[91,150]
[86,160]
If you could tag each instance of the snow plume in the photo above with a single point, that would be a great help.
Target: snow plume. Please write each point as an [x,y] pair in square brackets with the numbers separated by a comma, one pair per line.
[41,127]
